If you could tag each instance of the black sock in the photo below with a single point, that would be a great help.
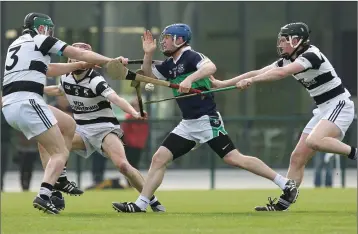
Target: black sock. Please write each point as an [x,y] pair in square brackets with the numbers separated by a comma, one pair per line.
[45,191]
[353,153]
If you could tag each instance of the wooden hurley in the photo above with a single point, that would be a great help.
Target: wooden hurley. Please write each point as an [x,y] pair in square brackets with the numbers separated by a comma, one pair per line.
[117,71]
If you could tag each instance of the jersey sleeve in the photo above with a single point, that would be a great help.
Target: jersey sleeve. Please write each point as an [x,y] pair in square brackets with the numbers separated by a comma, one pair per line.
[49,45]
[309,60]
[99,86]
[198,59]
[278,63]
[161,70]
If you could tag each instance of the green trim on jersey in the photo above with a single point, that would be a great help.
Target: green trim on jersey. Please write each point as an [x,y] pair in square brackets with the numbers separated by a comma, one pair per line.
[202,83]
[217,130]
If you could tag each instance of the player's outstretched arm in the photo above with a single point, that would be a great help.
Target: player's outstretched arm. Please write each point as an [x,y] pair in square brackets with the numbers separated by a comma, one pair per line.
[225,83]
[124,105]
[58,69]
[53,90]
[273,74]
[85,55]
[278,73]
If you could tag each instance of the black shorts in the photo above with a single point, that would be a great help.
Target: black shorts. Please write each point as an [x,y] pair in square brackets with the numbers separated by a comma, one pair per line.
[179,146]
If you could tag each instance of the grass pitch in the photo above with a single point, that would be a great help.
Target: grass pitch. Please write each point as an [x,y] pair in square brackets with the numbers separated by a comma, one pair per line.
[221,211]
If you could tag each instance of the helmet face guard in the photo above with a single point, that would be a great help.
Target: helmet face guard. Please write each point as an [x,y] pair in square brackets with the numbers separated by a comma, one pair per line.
[173,38]
[49,31]
[49,27]
[283,41]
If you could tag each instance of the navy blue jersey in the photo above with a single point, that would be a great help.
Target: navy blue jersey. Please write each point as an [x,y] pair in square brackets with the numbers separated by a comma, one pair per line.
[176,71]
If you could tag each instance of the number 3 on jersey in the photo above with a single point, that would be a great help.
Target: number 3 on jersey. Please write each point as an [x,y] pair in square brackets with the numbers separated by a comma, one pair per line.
[14,57]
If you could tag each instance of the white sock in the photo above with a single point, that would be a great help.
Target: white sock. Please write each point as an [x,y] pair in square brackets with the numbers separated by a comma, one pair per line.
[142,202]
[154,200]
[45,191]
[280,181]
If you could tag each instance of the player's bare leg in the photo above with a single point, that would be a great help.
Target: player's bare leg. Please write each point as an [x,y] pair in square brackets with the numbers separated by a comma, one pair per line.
[113,147]
[66,124]
[249,163]
[224,148]
[154,179]
[156,171]
[54,144]
[324,138]
[256,166]
[299,158]
[67,127]
[56,197]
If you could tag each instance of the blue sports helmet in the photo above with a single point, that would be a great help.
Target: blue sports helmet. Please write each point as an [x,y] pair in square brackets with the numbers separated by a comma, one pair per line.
[176,30]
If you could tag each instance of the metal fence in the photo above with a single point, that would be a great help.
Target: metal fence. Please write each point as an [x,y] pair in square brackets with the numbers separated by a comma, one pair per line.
[270,138]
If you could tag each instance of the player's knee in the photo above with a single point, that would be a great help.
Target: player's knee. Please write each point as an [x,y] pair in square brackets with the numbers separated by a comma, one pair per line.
[312,142]
[235,158]
[59,151]
[69,127]
[123,167]
[60,155]
[159,160]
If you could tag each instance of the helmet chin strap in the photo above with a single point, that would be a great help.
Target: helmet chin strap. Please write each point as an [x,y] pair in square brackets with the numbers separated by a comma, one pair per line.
[178,47]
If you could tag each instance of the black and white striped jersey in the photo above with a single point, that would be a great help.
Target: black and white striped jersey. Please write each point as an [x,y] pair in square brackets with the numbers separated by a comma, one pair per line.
[319,77]
[88,98]
[26,66]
